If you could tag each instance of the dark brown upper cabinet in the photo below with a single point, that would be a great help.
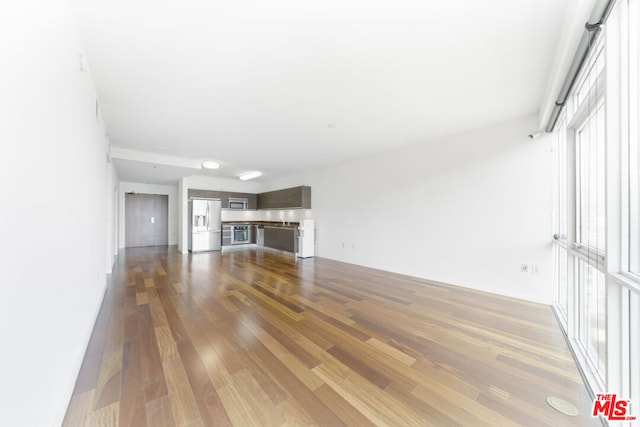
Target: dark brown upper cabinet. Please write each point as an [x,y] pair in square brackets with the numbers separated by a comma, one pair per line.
[204,194]
[289,198]
[224,197]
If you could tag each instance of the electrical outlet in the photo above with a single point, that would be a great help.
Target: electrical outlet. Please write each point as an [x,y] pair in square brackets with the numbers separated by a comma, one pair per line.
[524,268]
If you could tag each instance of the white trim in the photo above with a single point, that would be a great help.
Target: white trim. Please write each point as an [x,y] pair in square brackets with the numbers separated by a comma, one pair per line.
[71,385]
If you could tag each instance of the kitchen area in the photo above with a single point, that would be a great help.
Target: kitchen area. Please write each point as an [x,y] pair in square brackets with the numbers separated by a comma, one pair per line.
[278,220]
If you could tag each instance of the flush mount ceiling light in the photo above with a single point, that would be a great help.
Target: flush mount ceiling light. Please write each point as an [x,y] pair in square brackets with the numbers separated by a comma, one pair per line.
[210,164]
[250,175]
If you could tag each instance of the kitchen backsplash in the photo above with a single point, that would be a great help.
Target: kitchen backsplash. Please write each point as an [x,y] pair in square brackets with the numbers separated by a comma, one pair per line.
[288,215]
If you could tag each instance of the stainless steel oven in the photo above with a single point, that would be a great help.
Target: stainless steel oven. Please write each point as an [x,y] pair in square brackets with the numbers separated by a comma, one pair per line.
[240,234]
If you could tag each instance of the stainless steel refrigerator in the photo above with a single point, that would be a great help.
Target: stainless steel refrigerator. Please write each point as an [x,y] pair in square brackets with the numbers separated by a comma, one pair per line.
[204,225]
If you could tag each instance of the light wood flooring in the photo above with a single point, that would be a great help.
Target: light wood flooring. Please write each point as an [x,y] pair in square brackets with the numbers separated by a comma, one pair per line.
[255,338]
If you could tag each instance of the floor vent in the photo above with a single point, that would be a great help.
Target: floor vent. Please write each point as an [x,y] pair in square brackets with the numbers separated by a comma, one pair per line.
[562,406]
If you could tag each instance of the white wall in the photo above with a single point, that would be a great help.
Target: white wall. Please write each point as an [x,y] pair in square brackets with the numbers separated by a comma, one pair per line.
[466,210]
[183,221]
[169,190]
[53,179]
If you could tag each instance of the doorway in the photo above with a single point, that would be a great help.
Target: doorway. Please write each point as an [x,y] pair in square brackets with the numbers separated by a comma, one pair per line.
[146,220]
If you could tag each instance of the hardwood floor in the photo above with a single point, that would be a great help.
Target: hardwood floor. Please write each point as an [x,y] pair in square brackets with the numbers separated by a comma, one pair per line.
[251,337]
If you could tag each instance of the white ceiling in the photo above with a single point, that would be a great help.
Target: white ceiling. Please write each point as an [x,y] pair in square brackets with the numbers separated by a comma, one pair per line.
[287,85]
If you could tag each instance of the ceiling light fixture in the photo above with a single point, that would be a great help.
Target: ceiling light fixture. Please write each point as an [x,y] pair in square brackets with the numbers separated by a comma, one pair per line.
[250,175]
[210,164]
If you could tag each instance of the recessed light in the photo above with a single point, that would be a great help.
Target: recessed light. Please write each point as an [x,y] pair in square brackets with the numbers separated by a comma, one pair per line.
[210,164]
[250,175]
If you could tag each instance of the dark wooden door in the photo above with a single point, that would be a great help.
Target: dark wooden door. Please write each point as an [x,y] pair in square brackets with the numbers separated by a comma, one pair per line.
[146,220]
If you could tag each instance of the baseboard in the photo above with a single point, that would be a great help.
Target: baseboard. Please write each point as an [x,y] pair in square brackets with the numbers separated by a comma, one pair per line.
[68,394]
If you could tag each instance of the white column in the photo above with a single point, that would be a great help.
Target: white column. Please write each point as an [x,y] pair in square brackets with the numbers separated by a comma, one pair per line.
[183,212]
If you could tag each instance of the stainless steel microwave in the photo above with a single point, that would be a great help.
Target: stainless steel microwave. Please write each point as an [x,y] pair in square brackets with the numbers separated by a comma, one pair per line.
[238,203]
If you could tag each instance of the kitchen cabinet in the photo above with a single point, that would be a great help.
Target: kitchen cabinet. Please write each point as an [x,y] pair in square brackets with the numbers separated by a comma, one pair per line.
[226,235]
[204,194]
[282,238]
[289,198]
[224,197]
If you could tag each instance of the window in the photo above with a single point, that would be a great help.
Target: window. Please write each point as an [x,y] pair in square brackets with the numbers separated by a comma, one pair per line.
[580,218]
[633,136]
[587,119]
[561,282]
[592,322]
[560,182]
[597,209]
[634,345]
[590,181]
[628,13]
[587,124]
[560,225]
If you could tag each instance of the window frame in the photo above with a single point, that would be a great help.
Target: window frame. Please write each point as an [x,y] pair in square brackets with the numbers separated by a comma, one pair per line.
[630,123]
